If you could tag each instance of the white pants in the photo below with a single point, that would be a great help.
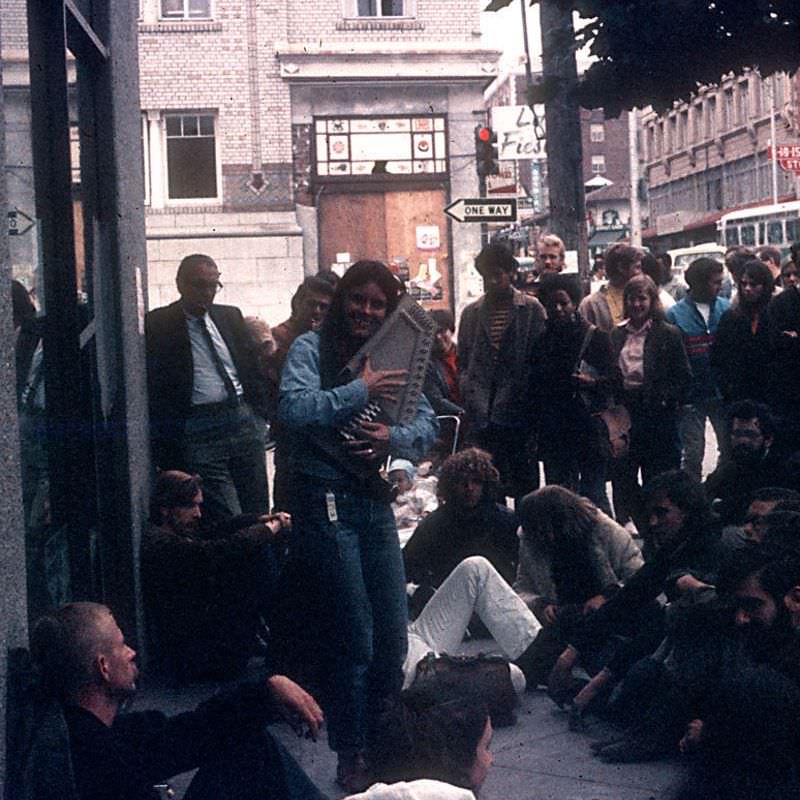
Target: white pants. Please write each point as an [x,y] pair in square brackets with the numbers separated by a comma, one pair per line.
[474,586]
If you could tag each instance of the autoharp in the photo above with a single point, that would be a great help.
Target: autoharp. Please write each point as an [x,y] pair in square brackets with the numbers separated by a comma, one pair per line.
[404,342]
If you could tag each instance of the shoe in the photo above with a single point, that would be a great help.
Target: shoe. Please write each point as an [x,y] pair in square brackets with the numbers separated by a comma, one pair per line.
[352,773]
[630,751]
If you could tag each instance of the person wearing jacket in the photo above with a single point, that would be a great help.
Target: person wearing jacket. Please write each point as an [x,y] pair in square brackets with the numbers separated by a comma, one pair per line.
[345,533]
[496,346]
[570,383]
[741,354]
[572,558]
[651,377]
[698,316]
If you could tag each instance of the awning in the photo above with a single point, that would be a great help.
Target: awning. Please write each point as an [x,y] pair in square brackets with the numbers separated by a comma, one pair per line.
[600,238]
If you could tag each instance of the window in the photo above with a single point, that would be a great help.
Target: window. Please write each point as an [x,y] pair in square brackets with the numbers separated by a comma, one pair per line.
[651,142]
[711,117]
[743,106]
[143,130]
[697,123]
[379,8]
[683,129]
[774,233]
[191,156]
[727,110]
[598,164]
[597,132]
[673,133]
[748,233]
[185,9]
[792,230]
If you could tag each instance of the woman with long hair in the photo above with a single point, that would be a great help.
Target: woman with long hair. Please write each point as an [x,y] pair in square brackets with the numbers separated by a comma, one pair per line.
[570,383]
[572,557]
[650,377]
[741,352]
[345,536]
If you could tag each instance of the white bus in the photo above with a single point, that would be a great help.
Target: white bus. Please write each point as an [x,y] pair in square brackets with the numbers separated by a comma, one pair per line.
[777,225]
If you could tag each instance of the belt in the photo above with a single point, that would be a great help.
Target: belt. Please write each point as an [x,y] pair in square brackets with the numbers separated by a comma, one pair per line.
[216,408]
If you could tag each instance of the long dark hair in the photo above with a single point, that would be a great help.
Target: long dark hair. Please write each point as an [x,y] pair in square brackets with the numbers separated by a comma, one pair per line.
[430,733]
[334,349]
[561,523]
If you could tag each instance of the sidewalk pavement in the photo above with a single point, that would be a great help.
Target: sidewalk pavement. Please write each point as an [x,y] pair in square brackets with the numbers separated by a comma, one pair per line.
[536,759]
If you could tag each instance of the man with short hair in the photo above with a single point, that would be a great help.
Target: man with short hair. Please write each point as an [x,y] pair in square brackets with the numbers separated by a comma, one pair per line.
[496,344]
[550,253]
[771,256]
[310,304]
[207,399]
[604,308]
[697,317]
[205,587]
[753,462]
[86,665]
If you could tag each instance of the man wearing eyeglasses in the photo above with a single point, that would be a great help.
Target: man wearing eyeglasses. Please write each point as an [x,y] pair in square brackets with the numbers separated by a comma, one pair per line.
[207,402]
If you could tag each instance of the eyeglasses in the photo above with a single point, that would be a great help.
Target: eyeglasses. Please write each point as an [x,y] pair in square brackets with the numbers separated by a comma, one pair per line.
[210,286]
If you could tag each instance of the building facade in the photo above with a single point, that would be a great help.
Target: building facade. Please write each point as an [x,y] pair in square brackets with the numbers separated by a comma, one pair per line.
[709,156]
[287,137]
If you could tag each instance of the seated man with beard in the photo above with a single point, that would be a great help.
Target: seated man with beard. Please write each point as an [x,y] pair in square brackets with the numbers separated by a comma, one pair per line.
[469,522]
[756,461]
[205,588]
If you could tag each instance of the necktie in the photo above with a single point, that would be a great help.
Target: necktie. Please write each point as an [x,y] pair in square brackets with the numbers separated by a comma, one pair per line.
[217,359]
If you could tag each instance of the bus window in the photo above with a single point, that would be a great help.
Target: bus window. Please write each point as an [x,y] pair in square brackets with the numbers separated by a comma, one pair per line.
[731,236]
[762,239]
[749,235]
[792,230]
[775,233]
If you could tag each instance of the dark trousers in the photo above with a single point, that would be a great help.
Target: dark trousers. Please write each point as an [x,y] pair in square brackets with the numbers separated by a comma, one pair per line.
[511,451]
[253,770]
[654,448]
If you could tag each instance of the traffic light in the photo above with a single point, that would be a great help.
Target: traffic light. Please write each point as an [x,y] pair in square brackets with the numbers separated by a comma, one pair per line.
[486,151]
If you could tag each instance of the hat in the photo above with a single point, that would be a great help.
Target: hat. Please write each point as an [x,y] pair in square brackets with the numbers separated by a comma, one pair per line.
[403,464]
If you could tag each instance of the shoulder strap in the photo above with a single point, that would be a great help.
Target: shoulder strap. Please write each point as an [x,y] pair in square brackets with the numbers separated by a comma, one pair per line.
[584,345]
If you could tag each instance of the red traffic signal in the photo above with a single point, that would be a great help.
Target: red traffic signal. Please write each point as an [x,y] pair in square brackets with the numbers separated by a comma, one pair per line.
[486,151]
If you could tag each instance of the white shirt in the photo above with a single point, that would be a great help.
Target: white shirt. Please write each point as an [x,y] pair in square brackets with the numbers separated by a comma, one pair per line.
[207,386]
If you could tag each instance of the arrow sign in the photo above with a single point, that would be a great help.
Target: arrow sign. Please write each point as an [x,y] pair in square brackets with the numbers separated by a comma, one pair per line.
[482,210]
[18,222]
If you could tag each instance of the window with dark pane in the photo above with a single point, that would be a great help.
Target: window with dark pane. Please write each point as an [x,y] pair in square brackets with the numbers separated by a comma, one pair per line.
[191,156]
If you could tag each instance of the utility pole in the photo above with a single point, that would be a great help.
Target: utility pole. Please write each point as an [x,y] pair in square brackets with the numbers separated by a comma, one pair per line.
[633,165]
[562,117]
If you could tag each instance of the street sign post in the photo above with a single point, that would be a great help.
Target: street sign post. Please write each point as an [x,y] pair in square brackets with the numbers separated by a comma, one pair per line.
[19,222]
[481,209]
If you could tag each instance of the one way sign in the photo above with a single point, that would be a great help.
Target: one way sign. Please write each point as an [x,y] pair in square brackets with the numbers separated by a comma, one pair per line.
[482,210]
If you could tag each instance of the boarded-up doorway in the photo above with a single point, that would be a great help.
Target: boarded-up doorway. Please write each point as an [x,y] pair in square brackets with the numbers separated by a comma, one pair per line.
[405,229]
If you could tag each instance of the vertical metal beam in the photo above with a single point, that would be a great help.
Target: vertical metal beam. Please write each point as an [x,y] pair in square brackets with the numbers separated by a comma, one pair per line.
[52,181]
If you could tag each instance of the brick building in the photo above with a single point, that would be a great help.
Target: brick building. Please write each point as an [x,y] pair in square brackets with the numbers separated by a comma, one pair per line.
[709,156]
[289,136]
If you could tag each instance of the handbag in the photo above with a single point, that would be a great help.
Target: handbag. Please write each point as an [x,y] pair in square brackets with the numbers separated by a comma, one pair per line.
[616,424]
[485,678]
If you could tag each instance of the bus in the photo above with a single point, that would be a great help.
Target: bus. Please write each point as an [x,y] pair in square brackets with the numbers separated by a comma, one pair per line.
[776,225]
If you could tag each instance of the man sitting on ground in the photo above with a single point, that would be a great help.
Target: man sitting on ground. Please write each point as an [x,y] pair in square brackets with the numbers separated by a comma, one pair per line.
[470,522]
[85,664]
[206,588]
[754,462]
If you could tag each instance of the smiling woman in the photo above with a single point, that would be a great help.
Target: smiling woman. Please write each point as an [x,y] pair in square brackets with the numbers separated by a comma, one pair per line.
[345,534]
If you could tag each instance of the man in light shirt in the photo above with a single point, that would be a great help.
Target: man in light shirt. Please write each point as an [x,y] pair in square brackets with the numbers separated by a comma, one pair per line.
[207,401]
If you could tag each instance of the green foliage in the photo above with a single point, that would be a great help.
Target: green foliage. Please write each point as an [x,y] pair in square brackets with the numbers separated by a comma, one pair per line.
[658,51]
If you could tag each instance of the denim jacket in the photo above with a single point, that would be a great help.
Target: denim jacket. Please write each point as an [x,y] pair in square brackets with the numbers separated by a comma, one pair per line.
[305,406]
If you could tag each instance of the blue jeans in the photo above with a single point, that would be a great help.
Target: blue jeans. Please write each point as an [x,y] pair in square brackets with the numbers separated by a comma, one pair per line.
[352,555]
[692,427]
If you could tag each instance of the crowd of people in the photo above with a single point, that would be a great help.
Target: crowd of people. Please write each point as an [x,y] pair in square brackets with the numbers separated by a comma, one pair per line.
[669,606]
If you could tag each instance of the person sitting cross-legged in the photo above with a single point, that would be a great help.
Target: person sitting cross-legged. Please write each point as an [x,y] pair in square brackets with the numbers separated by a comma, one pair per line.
[86,667]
